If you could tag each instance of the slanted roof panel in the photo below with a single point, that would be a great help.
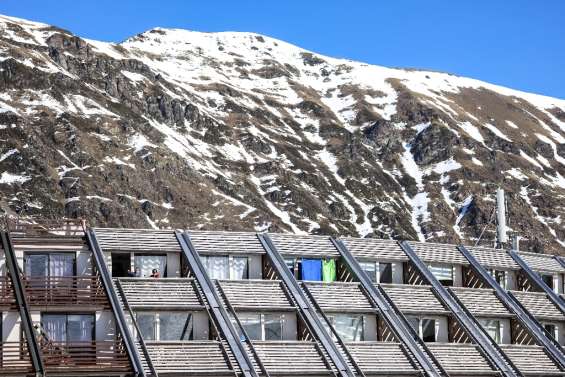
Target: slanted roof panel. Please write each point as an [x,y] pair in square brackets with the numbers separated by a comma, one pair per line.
[542,262]
[340,296]
[160,293]
[255,294]
[461,358]
[381,358]
[530,359]
[375,249]
[305,246]
[291,358]
[539,305]
[438,253]
[208,242]
[414,298]
[481,302]
[493,258]
[141,240]
[189,358]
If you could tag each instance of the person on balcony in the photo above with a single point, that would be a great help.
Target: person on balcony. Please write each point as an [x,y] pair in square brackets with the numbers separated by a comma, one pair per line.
[155,273]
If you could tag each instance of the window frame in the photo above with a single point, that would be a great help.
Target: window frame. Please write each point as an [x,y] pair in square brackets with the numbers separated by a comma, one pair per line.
[555,332]
[332,322]
[262,323]
[142,254]
[157,324]
[484,324]
[376,269]
[49,254]
[420,329]
[67,314]
[496,274]
[443,282]
[231,272]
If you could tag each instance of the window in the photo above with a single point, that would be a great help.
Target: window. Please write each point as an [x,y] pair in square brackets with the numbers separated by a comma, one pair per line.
[493,329]
[385,272]
[424,327]
[370,269]
[262,326]
[379,272]
[551,329]
[147,263]
[51,264]
[67,328]
[500,277]
[548,280]
[163,326]
[350,328]
[443,273]
[226,267]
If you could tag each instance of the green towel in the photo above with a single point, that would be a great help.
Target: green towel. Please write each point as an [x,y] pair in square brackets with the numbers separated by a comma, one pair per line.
[328,270]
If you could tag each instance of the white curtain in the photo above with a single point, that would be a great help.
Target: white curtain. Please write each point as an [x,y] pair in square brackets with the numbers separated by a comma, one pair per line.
[217,267]
[147,263]
[240,268]
[79,328]
[61,264]
[55,326]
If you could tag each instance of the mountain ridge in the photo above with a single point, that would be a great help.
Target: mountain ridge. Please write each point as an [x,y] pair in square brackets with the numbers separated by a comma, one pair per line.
[242,131]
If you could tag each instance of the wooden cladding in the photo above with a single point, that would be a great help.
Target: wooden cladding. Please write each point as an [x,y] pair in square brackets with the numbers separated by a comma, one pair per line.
[14,359]
[65,291]
[85,356]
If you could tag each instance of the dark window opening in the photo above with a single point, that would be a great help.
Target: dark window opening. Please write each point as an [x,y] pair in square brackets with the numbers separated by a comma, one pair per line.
[385,272]
[428,330]
[121,264]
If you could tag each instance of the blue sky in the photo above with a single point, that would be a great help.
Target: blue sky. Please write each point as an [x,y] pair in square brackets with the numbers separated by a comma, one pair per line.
[518,43]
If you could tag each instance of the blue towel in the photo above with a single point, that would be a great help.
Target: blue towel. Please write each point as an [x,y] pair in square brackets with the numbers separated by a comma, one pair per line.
[312,269]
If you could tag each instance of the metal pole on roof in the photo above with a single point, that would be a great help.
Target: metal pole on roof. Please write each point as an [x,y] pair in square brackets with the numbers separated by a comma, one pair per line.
[501,230]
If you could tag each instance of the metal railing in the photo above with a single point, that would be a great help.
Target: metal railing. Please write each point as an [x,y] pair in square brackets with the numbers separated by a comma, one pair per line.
[7,297]
[65,291]
[40,227]
[14,359]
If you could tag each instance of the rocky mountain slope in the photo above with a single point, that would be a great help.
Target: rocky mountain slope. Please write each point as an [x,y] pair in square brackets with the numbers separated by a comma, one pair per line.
[173,128]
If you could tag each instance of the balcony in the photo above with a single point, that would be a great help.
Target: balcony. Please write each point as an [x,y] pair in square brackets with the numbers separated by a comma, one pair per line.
[14,359]
[104,357]
[7,298]
[65,291]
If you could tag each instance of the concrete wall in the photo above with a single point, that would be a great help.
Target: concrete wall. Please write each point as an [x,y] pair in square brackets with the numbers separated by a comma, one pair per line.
[397,272]
[173,265]
[370,330]
[457,275]
[255,267]
[11,326]
[511,280]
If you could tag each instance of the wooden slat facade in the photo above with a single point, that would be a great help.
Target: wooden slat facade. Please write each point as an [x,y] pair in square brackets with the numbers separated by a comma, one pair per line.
[161,293]
[532,360]
[304,246]
[412,299]
[382,358]
[375,249]
[340,297]
[256,295]
[481,302]
[539,305]
[137,240]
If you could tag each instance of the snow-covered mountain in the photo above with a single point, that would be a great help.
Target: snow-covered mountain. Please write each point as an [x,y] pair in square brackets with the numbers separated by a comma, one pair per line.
[232,130]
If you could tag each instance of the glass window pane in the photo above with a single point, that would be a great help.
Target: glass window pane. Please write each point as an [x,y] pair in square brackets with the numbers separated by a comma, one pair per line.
[428,330]
[147,263]
[551,329]
[273,327]
[252,325]
[54,327]
[290,264]
[173,326]
[61,264]
[370,269]
[443,273]
[80,328]
[492,328]
[36,265]
[548,279]
[385,271]
[218,267]
[240,268]
[349,327]
[146,324]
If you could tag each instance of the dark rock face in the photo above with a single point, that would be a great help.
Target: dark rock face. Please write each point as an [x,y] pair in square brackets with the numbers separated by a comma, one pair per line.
[242,132]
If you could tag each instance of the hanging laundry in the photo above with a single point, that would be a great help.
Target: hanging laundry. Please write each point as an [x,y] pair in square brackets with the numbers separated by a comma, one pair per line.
[312,269]
[328,270]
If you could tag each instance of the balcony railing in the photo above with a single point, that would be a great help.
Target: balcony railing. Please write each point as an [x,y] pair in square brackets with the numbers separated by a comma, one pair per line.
[14,359]
[65,291]
[39,227]
[96,356]
[7,297]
